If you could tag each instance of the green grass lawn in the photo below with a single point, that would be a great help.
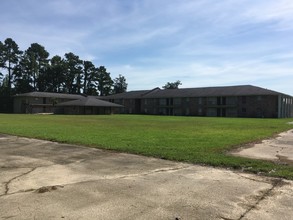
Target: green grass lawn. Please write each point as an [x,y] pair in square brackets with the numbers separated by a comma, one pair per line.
[191,139]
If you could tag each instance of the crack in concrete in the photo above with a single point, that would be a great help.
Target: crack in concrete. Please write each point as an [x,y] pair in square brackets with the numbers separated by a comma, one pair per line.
[132,175]
[10,167]
[275,183]
[224,218]
[8,217]
[262,180]
[9,181]
[162,170]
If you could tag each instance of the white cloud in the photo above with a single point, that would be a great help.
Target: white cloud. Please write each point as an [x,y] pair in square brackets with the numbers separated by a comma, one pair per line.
[200,75]
[280,13]
[151,42]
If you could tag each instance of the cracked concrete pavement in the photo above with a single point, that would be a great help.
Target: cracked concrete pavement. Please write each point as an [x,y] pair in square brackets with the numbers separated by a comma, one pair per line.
[47,180]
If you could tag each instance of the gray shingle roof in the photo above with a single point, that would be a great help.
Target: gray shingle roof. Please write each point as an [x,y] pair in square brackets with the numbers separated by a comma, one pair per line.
[242,90]
[89,101]
[49,95]
[132,94]
[127,95]
[245,90]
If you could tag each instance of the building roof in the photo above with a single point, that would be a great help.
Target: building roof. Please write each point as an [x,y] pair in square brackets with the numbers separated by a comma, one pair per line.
[245,90]
[49,95]
[127,95]
[132,94]
[242,90]
[89,101]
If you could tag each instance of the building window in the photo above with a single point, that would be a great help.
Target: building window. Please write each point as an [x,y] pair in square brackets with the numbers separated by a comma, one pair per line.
[170,101]
[162,111]
[177,111]
[231,101]
[218,100]
[223,100]
[163,102]
[243,110]
[199,100]
[212,100]
[177,101]
[212,112]
[243,99]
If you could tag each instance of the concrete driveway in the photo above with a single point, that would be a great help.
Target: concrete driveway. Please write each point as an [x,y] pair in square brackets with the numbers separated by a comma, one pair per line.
[46,180]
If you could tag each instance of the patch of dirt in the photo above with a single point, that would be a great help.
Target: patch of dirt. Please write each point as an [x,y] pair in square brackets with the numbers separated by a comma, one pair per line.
[283,160]
[238,148]
[45,189]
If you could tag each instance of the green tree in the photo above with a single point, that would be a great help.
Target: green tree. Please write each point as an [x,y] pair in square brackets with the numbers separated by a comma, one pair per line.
[172,85]
[73,74]
[22,78]
[1,61]
[105,83]
[1,55]
[9,58]
[37,61]
[4,85]
[55,76]
[89,80]
[52,79]
[119,85]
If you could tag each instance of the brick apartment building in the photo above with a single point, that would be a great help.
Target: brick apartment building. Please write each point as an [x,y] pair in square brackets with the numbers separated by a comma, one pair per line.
[231,101]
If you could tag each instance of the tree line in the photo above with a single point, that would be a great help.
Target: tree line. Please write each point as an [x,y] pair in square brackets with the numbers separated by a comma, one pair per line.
[172,85]
[33,70]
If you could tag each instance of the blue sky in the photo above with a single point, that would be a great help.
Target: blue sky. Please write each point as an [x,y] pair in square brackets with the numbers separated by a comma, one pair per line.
[199,42]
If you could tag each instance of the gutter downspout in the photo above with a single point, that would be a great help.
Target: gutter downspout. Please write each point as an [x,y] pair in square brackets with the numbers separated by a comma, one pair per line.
[279,106]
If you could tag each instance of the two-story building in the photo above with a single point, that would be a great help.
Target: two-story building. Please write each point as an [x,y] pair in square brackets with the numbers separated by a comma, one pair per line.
[229,101]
